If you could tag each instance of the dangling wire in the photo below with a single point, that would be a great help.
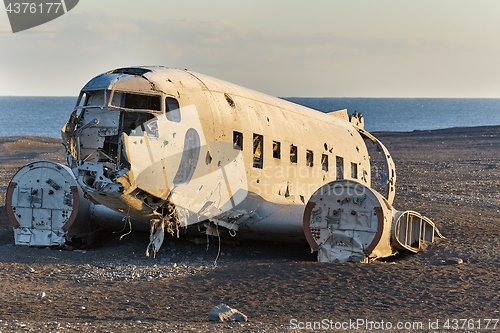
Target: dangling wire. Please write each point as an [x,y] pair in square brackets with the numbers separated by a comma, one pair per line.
[125,220]
[232,232]
[218,236]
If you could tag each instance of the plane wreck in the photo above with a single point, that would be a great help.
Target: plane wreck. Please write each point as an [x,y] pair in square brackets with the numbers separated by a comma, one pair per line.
[173,151]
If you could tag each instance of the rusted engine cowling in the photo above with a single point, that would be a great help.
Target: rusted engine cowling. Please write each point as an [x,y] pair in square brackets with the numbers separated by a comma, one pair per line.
[347,221]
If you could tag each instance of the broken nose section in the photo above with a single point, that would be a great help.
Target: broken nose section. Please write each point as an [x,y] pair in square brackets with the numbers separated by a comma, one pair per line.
[97,177]
[347,221]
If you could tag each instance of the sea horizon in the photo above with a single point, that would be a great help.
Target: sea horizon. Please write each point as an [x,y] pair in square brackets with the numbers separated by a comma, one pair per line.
[393,114]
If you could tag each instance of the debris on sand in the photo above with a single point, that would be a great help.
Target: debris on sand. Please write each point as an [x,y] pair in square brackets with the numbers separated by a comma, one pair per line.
[222,313]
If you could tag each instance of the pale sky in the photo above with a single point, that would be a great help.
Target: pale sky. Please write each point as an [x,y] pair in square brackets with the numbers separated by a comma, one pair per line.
[327,48]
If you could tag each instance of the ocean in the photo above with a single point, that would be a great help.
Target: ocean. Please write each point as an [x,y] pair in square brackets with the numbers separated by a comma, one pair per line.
[45,116]
[409,114]
[39,116]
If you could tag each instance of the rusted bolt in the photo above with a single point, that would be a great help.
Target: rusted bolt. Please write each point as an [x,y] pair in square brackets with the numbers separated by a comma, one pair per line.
[353,212]
[335,212]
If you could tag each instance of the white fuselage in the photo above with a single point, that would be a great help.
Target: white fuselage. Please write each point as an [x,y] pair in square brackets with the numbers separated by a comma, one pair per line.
[164,144]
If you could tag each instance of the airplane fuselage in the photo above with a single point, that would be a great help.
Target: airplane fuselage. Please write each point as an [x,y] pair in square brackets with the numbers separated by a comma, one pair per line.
[146,141]
[170,150]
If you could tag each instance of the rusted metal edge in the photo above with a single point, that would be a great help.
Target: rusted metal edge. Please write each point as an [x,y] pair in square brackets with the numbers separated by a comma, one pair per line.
[74,213]
[380,230]
[307,230]
[8,205]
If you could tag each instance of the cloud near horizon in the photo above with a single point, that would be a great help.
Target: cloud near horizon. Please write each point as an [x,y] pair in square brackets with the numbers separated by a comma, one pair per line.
[277,63]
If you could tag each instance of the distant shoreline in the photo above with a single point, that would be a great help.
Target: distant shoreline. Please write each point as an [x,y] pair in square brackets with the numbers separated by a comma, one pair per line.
[380,114]
[458,129]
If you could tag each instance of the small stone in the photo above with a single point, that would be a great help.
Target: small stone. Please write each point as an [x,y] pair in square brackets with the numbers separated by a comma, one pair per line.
[42,294]
[222,313]
[454,261]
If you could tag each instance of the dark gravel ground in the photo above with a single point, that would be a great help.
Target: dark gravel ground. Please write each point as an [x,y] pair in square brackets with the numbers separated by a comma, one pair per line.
[451,176]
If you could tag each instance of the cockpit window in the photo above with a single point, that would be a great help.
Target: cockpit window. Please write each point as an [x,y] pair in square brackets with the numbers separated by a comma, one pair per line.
[136,101]
[172,111]
[130,71]
[82,100]
[93,98]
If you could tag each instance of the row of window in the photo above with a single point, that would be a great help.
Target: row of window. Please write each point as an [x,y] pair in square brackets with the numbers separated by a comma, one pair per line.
[258,155]
[134,101]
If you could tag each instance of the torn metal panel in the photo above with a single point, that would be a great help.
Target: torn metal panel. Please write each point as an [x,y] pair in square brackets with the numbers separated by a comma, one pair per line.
[169,167]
